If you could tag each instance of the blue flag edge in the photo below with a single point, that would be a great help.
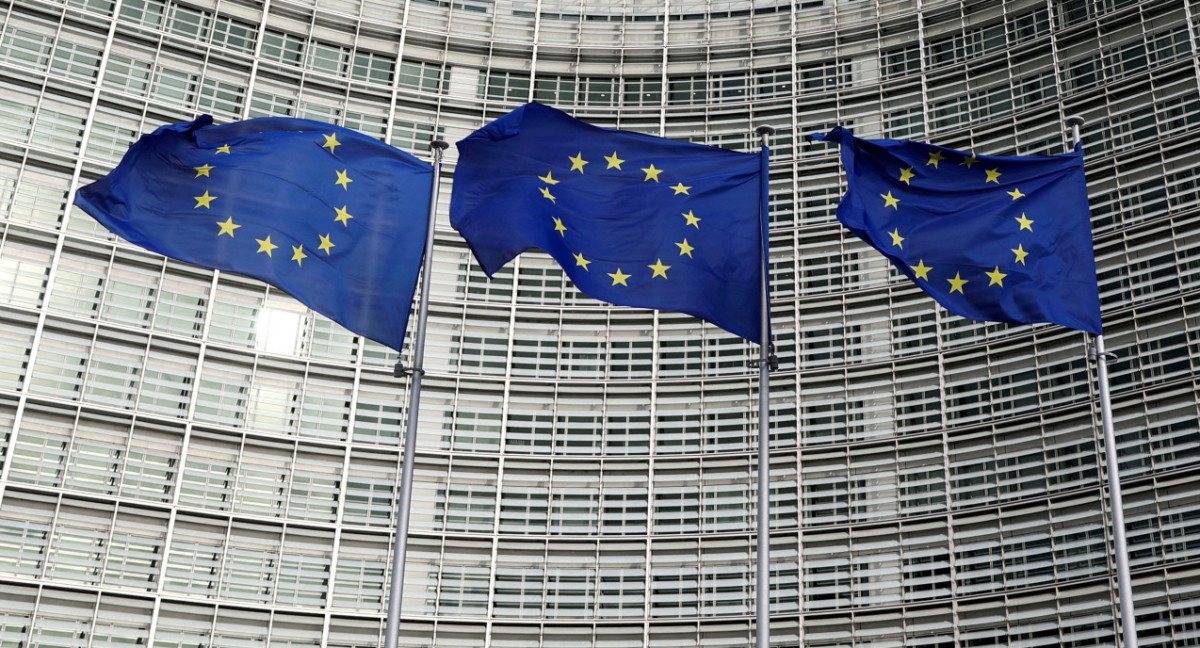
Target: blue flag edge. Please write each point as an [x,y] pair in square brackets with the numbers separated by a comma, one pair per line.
[764,225]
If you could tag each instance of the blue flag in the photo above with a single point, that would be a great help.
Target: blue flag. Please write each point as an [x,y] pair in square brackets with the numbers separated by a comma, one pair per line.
[333,217]
[633,219]
[991,238]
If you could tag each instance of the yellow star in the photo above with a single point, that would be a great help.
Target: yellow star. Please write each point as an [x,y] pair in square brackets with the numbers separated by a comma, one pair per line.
[331,142]
[265,245]
[680,189]
[1021,253]
[934,158]
[652,173]
[897,240]
[890,201]
[1026,224]
[692,219]
[344,180]
[577,162]
[343,216]
[957,283]
[614,162]
[204,201]
[546,192]
[619,277]
[298,254]
[906,175]
[223,149]
[659,269]
[548,178]
[921,270]
[227,227]
[559,227]
[684,248]
[1015,193]
[580,261]
[993,175]
[325,245]
[997,277]
[969,161]
[203,170]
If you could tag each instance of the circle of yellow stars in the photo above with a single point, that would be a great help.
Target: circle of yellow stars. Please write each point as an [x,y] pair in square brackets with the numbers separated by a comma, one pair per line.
[921,271]
[651,173]
[265,245]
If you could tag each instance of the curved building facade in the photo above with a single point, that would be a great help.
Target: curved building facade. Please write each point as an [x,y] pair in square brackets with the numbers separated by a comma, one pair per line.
[194,459]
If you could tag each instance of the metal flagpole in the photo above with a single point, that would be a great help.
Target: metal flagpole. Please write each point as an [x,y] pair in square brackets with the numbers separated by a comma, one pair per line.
[762,616]
[1120,546]
[392,635]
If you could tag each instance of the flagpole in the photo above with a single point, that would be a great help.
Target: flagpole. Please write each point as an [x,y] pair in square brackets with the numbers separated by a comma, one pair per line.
[762,616]
[1120,545]
[396,594]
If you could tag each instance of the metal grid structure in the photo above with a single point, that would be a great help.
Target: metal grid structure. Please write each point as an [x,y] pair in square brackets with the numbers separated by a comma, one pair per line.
[196,460]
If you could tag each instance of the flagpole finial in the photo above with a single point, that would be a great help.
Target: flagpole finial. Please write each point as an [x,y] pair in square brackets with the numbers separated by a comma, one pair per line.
[441,145]
[1074,122]
[765,130]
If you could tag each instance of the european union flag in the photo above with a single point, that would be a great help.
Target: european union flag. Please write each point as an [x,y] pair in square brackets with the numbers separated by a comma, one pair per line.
[334,217]
[633,219]
[991,238]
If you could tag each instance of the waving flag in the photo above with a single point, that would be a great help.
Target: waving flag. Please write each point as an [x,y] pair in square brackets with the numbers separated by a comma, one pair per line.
[333,217]
[991,238]
[633,219]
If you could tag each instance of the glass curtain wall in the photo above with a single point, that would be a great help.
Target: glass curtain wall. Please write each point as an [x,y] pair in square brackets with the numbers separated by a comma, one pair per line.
[190,458]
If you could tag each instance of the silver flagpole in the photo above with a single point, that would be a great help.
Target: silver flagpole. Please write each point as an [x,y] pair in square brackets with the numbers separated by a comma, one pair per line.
[396,594]
[762,611]
[1120,546]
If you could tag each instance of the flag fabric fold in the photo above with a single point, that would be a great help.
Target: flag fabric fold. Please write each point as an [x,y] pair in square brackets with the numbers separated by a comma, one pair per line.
[991,238]
[633,219]
[333,217]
